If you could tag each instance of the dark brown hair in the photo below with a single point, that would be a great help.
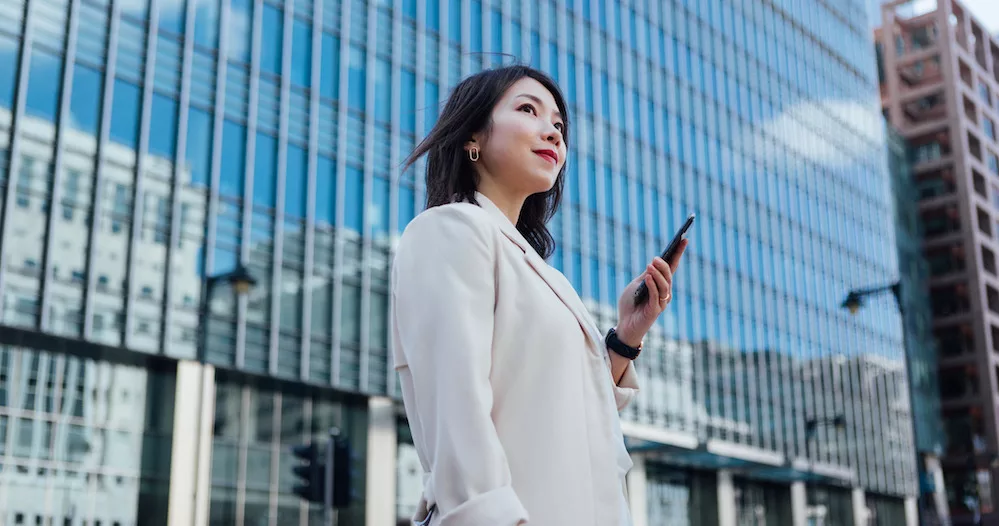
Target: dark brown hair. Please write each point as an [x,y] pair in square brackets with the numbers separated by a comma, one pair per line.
[450,175]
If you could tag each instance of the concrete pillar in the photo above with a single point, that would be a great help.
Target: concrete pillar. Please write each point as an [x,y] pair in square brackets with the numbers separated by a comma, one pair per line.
[911,512]
[726,499]
[935,471]
[381,463]
[638,491]
[799,504]
[191,449]
[859,507]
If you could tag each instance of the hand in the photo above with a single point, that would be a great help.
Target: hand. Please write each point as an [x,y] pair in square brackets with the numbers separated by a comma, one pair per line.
[635,320]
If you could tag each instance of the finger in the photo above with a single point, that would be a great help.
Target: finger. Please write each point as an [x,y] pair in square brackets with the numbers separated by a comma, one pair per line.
[675,262]
[650,282]
[661,265]
[661,284]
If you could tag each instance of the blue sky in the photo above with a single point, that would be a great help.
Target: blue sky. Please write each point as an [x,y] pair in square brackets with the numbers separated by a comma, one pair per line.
[986,11]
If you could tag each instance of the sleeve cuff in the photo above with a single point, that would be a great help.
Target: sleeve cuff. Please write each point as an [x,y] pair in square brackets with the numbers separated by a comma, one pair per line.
[627,388]
[498,507]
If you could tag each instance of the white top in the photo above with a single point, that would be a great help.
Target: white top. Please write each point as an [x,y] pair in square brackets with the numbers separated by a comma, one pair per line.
[505,379]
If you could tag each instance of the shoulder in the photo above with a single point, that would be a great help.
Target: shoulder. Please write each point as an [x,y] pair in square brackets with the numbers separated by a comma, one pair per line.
[447,240]
[455,222]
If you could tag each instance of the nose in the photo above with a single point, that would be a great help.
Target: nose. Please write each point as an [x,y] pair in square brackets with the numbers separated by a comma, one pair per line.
[553,135]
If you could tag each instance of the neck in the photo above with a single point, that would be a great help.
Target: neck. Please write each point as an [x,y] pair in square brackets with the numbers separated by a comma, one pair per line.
[508,201]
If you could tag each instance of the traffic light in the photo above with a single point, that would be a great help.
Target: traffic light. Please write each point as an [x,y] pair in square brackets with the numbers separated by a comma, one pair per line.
[311,472]
[343,463]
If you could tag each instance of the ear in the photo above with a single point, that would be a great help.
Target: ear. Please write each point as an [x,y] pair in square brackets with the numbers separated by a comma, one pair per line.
[474,142]
[478,140]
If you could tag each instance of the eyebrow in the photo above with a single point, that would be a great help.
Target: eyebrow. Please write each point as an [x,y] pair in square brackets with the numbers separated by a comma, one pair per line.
[539,102]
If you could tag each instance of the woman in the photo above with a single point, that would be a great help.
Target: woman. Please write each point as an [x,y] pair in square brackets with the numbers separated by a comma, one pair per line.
[511,392]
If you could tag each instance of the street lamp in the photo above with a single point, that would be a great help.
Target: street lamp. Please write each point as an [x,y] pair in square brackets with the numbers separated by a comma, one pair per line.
[855,299]
[241,282]
[853,302]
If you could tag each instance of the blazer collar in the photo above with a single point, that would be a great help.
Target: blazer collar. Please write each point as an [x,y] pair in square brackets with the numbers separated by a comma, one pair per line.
[555,280]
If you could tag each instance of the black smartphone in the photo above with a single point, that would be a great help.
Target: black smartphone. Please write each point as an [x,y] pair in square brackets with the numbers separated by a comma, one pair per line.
[642,294]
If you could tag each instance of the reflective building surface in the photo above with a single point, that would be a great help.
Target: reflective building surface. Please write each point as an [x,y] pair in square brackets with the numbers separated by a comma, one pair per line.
[939,72]
[147,144]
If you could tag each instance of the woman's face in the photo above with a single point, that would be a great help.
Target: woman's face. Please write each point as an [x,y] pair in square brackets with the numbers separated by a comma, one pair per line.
[522,150]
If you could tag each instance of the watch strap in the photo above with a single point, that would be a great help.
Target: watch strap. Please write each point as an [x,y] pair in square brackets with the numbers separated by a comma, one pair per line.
[615,344]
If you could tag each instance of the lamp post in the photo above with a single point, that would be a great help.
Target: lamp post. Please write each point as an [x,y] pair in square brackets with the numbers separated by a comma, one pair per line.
[853,302]
[241,282]
[811,429]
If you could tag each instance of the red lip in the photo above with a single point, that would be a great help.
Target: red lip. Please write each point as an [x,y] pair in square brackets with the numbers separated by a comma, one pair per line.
[548,153]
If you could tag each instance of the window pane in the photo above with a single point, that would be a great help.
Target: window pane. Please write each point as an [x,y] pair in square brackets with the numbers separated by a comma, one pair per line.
[301,54]
[407,101]
[383,90]
[378,329]
[535,49]
[380,207]
[431,105]
[240,24]
[322,309]
[199,140]
[85,101]
[172,16]
[517,42]
[454,20]
[294,192]
[325,191]
[328,79]
[125,113]
[8,71]
[476,29]
[270,49]
[497,28]
[433,16]
[206,24]
[233,159]
[43,85]
[163,129]
[291,301]
[354,199]
[350,319]
[264,171]
[407,206]
[356,78]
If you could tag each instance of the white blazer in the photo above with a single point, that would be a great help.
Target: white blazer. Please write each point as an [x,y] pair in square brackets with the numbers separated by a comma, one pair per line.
[505,379]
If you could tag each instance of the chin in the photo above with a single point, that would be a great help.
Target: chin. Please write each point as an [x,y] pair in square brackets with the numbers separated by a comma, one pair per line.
[542,186]
[543,182]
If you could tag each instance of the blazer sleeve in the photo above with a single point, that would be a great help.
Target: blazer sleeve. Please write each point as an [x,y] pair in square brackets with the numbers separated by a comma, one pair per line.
[627,387]
[444,295]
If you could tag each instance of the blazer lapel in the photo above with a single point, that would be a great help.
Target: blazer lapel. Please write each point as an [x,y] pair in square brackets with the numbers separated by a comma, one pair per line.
[555,280]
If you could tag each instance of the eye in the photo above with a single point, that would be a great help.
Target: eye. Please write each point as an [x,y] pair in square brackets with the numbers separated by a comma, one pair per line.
[560,127]
[529,107]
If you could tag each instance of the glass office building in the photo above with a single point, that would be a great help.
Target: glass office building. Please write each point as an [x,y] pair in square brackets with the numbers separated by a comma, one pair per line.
[148,144]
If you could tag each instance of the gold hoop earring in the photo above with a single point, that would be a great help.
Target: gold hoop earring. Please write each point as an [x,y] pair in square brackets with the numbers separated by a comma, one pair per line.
[473,153]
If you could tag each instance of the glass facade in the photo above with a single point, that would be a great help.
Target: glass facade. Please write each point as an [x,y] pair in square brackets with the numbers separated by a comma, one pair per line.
[83,440]
[914,273]
[255,428]
[146,144]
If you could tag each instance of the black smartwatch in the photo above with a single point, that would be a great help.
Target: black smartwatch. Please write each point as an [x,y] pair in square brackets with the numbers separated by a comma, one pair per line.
[621,348]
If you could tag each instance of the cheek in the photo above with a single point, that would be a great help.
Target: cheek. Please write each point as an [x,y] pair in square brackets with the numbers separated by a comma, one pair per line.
[499,145]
